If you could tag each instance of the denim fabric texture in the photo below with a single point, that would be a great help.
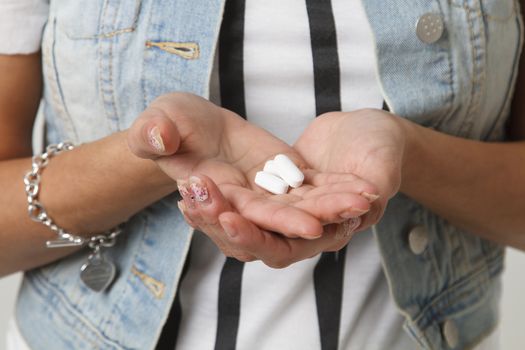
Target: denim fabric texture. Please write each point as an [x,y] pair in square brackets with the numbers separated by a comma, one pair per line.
[102,67]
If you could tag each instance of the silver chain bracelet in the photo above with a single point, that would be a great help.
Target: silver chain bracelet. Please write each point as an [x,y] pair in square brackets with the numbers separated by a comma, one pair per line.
[97,273]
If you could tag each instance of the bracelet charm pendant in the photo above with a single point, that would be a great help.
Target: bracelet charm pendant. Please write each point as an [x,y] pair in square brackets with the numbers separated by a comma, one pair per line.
[97,273]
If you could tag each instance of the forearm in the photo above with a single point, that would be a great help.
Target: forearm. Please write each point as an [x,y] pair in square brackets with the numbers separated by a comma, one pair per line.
[87,190]
[474,185]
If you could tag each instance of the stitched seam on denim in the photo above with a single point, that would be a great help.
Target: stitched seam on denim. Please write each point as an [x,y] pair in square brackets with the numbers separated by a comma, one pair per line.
[116,310]
[213,52]
[485,15]
[452,93]
[36,285]
[154,286]
[106,73]
[145,61]
[107,35]
[74,311]
[478,70]
[458,291]
[187,50]
[54,85]
[417,335]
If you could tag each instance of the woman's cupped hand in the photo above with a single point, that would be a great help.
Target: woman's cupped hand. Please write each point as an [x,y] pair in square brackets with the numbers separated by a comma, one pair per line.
[214,154]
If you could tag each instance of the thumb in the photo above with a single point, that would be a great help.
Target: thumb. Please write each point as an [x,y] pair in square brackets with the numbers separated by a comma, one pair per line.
[153,135]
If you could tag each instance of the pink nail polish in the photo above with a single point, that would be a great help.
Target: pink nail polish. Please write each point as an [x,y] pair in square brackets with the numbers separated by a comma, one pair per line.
[199,191]
[155,139]
[186,194]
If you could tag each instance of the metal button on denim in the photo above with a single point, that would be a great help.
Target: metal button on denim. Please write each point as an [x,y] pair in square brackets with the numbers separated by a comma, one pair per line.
[450,333]
[418,239]
[429,28]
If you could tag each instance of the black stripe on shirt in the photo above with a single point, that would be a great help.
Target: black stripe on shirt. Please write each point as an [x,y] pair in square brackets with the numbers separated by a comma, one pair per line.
[329,271]
[230,286]
[231,80]
[231,57]
[327,77]
[328,284]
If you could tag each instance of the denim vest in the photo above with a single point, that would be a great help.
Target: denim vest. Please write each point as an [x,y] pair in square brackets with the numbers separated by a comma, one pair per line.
[102,67]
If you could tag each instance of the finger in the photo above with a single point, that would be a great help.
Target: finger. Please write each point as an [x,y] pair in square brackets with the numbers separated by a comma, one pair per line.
[334,207]
[272,215]
[374,215]
[248,238]
[153,135]
[278,251]
[183,210]
[208,201]
[351,181]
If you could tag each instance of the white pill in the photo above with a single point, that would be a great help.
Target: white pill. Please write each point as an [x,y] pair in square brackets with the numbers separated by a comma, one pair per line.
[288,171]
[271,183]
[270,167]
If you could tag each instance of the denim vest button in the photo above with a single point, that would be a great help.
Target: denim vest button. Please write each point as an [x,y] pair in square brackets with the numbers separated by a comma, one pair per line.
[429,28]
[450,333]
[418,239]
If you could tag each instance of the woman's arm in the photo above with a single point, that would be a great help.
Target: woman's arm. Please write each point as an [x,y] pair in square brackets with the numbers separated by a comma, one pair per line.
[477,186]
[87,190]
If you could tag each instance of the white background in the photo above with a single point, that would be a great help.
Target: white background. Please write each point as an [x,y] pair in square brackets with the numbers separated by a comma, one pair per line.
[513,304]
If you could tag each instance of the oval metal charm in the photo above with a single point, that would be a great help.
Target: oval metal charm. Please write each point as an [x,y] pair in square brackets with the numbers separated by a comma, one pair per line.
[97,273]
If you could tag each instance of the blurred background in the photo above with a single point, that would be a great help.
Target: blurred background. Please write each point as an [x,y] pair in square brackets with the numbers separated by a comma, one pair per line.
[512,333]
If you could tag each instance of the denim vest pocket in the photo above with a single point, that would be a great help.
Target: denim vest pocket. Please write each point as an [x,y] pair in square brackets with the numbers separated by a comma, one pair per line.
[95,19]
[498,10]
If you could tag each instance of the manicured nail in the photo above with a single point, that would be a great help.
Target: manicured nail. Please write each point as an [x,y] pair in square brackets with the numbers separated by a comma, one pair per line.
[199,190]
[352,213]
[228,228]
[369,196]
[155,139]
[186,194]
[347,228]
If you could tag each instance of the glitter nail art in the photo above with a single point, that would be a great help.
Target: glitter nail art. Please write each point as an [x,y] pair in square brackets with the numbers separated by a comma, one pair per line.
[186,194]
[200,192]
[156,140]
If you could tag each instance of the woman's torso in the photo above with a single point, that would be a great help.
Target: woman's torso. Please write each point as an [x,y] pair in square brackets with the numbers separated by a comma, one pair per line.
[100,73]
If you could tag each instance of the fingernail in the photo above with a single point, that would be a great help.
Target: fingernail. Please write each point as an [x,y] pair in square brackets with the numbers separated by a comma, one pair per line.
[228,228]
[155,139]
[186,194]
[347,228]
[352,213]
[369,196]
[199,190]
